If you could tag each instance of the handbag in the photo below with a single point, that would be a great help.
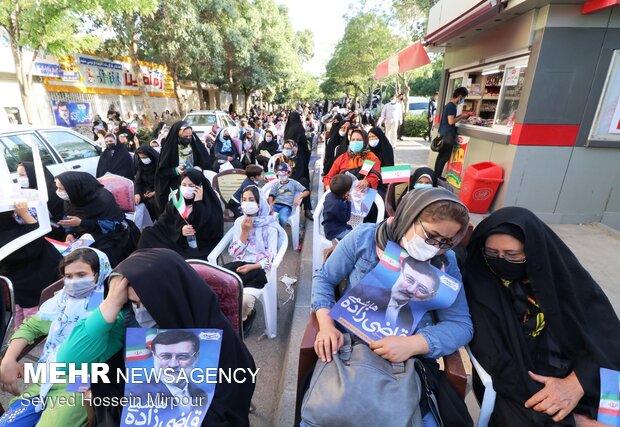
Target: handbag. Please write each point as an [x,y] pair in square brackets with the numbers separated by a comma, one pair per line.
[359,388]
[437,143]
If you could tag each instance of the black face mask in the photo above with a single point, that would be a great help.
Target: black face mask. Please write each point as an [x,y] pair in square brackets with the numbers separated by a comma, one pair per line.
[506,270]
[226,137]
[184,141]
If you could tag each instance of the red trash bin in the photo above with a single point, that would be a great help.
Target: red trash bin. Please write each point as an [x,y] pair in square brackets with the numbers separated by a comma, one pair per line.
[480,185]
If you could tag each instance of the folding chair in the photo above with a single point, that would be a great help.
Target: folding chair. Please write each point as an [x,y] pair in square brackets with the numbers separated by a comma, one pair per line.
[294,220]
[453,365]
[122,190]
[227,286]
[225,185]
[268,295]
[320,242]
[271,166]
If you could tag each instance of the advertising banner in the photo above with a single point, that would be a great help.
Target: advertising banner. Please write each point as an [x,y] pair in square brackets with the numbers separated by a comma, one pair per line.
[455,166]
[72,114]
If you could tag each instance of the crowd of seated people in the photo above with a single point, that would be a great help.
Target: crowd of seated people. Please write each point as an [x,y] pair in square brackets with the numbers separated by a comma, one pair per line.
[521,306]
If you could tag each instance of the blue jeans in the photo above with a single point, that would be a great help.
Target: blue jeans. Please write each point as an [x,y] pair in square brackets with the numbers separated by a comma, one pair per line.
[284,213]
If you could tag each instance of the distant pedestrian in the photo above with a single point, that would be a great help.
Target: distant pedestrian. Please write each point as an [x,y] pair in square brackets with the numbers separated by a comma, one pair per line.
[447,128]
[392,115]
[431,112]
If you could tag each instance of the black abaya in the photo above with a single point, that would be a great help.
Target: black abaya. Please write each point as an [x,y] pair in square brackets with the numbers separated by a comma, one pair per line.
[116,160]
[384,150]
[145,179]
[578,316]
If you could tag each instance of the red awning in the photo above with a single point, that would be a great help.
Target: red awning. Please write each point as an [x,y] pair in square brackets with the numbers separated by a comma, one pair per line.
[596,5]
[410,58]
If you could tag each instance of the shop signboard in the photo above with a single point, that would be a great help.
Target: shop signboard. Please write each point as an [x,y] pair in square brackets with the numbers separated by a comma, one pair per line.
[91,74]
[72,114]
[457,160]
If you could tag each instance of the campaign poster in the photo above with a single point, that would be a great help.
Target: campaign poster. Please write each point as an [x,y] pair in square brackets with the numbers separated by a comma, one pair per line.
[394,296]
[168,368]
[455,171]
[362,200]
[72,114]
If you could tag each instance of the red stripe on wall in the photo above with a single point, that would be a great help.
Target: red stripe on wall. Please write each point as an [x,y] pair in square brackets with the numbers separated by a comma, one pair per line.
[544,135]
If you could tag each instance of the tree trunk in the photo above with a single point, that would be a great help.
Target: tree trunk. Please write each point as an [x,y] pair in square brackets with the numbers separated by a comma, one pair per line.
[146,105]
[233,89]
[246,94]
[201,97]
[177,93]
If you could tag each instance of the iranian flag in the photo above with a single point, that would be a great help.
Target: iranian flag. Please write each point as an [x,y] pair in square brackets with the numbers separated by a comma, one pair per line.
[60,246]
[137,353]
[366,167]
[179,203]
[270,176]
[400,173]
[390,261]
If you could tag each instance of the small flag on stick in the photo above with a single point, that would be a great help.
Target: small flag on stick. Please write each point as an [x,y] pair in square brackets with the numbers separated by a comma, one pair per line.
[366,167]
[179,203]
[399,173]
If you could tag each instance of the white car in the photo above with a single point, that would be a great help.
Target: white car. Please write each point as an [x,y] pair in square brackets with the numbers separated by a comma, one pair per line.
[417,105]
[61,149]
[202,121]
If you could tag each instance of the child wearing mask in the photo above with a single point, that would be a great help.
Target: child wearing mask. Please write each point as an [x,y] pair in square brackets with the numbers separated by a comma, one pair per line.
[286,194]
[254,175]
[337,208]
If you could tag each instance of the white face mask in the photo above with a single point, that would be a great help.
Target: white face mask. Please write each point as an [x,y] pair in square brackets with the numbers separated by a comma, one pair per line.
[373,142]
[283,178]
[158,149]
[146,160]
[143,317]
[249,208]
[187,192]
[80,287]
[342,132]
[23,181]
[63,195]
[419,249]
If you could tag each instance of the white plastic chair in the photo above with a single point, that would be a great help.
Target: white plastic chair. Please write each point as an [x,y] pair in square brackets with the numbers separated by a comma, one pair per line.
[488,400]
[294,220]
[269,294]
[122,190]
[320,242]
[209,175]
[271,166]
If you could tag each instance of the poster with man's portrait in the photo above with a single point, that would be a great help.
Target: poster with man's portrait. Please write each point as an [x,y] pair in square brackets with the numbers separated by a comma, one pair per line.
[169,375]
[72,114]
[394,296]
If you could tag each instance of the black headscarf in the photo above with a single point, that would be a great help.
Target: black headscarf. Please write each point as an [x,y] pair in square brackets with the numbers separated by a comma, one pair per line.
[271,147]
[334,141]
[165,176]
[577,313]
[184,301]
[422,171]
[295,130]
[145,175]
[116,159]
[384,150]
[54,203]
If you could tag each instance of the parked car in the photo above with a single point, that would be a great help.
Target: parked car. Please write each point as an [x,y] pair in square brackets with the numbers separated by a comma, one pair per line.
[418,105]
[202,121]
[61,149]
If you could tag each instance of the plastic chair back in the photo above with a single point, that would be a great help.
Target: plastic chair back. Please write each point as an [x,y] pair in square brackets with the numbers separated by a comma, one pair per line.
[225,184]
[122,190]
[227,286]
[271,166]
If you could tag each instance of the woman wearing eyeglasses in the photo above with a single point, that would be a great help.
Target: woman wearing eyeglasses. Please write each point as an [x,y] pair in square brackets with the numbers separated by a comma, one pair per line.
[427,224]
[544,328]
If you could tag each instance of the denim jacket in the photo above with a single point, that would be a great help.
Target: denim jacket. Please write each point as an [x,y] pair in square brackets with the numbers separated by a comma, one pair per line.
[356,255]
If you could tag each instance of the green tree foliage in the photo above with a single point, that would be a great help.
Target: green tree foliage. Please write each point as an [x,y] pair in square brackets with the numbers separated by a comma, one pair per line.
[426,80]
[367,41]
[412,15]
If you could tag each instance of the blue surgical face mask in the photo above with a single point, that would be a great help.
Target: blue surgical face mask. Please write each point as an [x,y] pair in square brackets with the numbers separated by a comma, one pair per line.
[287,152]
[462,100]
[80,287]
[143,317]
[419,185]
[268,139]
[356,146]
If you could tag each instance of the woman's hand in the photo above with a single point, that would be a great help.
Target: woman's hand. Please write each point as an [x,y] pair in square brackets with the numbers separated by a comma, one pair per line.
[245,269]
[71,221]
[10,371]
[247,224]
[149,194]
[70,238]
[362,185]
[328,341]
[397,349]
[116,299]
[198,193]
[21,208]
[188,230]
[559,396]
[137,199]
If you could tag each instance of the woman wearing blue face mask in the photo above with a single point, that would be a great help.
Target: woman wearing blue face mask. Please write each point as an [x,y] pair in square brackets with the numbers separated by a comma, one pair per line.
[353,160]
[267,148]
[85,271]
[427,224]
[181,301]
[423,178]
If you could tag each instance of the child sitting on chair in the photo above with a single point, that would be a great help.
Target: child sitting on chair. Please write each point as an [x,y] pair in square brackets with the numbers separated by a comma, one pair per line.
[337,208]
[254,246]
[253,174]
[286,194]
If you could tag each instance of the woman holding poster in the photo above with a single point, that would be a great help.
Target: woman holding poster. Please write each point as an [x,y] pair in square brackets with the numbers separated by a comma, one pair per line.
[427,224]
[544,328]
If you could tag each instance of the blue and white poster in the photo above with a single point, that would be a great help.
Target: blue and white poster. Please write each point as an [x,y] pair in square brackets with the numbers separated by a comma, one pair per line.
[170,382]
[393,297]
[72,114]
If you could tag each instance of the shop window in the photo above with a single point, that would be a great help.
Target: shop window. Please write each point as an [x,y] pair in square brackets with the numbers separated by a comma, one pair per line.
[513,86]
[606,124]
